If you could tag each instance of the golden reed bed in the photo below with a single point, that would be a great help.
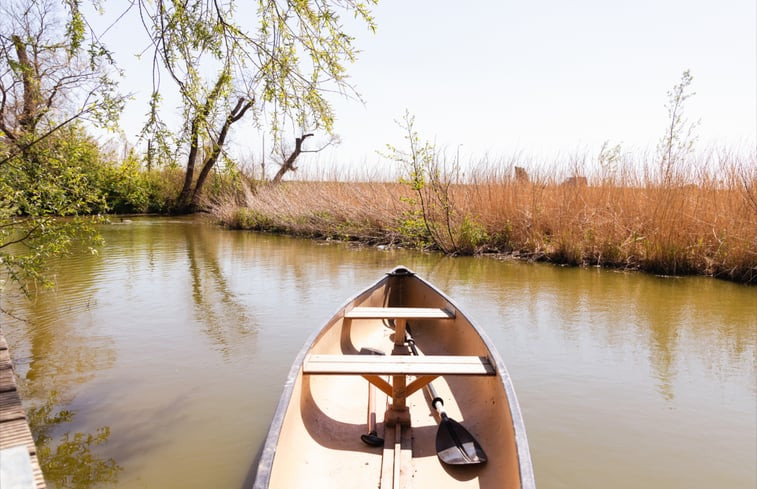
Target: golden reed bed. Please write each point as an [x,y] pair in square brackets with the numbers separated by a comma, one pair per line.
[687,225]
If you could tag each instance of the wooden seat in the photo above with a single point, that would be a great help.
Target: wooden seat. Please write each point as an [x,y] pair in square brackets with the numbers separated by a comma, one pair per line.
[399,313]
[373,367]
[397,365]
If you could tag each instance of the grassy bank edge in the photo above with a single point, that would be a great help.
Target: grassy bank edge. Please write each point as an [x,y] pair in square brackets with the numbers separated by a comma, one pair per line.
[671,232]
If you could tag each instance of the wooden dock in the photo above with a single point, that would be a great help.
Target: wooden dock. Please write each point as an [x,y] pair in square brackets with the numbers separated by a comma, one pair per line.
[19,467]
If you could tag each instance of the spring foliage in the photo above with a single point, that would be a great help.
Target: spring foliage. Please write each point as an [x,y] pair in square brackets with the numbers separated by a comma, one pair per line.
[50,80]
[277,60]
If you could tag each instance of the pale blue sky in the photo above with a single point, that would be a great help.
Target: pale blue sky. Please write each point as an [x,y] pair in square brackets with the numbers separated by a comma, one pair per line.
[540,78]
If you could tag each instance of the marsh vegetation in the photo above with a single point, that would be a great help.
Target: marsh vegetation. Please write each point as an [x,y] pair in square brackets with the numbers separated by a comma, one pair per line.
[701,220]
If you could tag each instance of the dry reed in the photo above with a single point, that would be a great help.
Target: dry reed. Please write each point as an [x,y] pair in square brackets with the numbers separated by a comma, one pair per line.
[701,219]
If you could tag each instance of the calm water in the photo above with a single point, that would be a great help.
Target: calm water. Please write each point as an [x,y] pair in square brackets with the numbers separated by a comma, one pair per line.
[158,363]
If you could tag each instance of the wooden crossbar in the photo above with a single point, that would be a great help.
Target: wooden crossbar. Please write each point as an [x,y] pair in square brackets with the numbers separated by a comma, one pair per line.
[373,367]
[399,313]
[397,365]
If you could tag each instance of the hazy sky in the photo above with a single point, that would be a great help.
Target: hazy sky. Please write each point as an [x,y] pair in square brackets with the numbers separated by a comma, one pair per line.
[540,77]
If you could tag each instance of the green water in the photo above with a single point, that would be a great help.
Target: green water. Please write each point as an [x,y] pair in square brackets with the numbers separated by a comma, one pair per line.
[158,363]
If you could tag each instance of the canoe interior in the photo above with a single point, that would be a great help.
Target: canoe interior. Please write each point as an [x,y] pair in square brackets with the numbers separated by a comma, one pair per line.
[319,443]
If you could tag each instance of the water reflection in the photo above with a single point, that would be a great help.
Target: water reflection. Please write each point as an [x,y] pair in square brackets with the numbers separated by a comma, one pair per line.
[63,353]
[669,319]
[179,335]
[70,460]
[222,314]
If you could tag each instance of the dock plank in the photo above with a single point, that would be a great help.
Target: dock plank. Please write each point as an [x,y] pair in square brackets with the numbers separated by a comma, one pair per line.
[10,406]
[16,432]
[7,380]
[14,429]
[5,359]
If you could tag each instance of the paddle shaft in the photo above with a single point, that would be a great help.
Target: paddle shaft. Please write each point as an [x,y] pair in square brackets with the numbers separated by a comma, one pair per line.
[371,409]
[454,445]
[436,402]
[371,438]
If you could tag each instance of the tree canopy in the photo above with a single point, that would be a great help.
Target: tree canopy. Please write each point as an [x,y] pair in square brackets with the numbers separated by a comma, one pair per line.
[278,60]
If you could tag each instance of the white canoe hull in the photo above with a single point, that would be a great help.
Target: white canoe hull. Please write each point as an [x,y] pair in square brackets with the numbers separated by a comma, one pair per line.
[315,436]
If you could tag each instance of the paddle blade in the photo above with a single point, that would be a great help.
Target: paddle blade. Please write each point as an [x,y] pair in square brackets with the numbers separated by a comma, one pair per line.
[372,439]
[455,446]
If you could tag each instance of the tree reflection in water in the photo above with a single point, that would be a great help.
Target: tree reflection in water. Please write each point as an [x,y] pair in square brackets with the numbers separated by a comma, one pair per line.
[69,460]
[222,314]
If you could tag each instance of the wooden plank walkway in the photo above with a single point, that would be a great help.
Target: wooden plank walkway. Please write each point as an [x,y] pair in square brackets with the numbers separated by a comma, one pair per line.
[14,429]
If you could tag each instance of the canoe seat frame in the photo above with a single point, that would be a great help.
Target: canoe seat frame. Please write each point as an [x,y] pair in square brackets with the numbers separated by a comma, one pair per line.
[398,366]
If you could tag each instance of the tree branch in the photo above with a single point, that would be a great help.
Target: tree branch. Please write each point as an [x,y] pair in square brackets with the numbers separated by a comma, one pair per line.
[288,164]
[236,114]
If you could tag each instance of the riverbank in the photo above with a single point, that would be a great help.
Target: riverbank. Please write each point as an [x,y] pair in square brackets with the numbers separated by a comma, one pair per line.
[706,228]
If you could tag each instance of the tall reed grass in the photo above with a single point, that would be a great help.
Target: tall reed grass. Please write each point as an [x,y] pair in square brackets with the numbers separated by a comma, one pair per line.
[699,219]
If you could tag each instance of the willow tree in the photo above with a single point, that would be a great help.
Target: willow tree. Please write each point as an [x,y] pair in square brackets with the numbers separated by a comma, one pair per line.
[277,61]
[53,79]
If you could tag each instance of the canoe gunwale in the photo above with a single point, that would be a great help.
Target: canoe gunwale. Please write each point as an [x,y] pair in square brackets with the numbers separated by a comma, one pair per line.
[265,464]
[525,464]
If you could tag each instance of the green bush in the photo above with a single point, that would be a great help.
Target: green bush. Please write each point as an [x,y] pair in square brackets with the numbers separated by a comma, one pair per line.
[473,236]
[126,187]
[246,218]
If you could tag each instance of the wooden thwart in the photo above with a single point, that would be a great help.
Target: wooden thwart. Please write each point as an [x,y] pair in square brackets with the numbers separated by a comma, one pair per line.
[426,368]
[399,313]
[397,365]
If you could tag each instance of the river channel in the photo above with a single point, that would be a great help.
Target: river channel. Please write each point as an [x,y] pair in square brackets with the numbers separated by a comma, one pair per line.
[158,362]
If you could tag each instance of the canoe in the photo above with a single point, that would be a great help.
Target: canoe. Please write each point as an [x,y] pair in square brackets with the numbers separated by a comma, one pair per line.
[362,405]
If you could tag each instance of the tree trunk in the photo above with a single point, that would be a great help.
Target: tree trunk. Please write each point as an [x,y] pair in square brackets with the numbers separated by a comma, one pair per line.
[236,113]
[199,121]
[30,81]
[183,199]
[288,164]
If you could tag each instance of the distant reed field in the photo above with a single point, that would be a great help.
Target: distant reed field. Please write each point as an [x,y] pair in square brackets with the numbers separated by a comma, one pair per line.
[700,219]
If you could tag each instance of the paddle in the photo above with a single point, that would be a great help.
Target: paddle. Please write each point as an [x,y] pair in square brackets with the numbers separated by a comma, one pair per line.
[371,438]
[454,445]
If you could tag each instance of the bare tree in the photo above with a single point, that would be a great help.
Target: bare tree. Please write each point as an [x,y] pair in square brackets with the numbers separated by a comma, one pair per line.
[288,164]
[47,79]
[288,161]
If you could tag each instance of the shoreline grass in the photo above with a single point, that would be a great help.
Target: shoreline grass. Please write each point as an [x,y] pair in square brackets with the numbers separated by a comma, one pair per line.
[690,222]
